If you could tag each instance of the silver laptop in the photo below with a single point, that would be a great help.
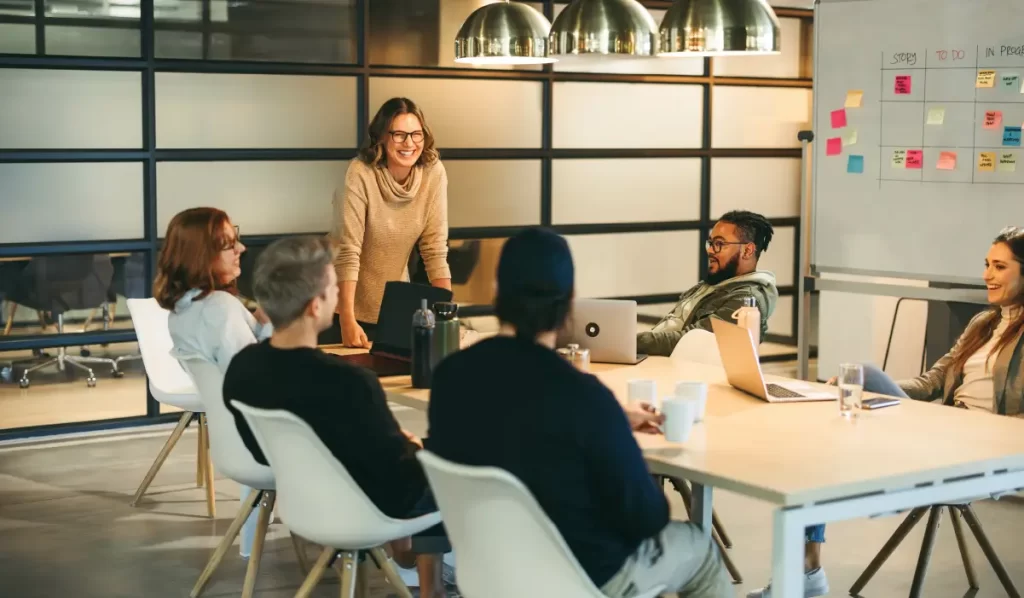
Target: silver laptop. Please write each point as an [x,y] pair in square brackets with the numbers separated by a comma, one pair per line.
[607,327]
[743,368]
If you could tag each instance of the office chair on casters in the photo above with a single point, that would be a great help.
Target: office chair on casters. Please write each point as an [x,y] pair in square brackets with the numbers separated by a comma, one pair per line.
[56,285]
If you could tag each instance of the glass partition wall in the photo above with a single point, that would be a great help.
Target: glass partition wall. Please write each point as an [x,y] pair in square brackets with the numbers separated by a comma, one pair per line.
[114,116]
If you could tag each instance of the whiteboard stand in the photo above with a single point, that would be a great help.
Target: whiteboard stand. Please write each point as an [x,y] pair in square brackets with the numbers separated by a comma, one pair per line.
[803,320]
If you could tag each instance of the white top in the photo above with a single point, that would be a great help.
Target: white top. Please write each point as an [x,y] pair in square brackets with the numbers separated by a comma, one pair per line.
[213,328]
[977,391]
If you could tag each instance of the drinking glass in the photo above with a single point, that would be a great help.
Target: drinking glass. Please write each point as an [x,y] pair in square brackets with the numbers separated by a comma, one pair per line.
[851,388]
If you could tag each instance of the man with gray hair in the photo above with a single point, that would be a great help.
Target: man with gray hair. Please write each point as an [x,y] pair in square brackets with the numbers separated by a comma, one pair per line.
[345,405]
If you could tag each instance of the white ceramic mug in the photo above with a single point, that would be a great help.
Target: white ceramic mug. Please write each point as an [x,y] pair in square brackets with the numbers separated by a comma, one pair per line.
[698,391]
[642,391]
[679,416]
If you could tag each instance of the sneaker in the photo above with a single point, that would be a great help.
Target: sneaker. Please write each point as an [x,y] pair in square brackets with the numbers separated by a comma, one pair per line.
[815,584]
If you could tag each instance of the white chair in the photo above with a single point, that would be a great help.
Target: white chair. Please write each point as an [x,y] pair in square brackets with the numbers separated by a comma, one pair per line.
[322,503]
[235,462]
[697,346]
[505,546]
[170,385]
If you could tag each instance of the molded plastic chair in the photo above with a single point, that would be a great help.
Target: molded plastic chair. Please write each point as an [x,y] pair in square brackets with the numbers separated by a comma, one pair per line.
[170,385]
[698,346]
[322,503]
[505,546]
[234,461]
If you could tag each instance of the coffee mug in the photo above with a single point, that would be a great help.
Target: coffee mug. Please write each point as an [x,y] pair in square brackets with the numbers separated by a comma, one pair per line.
[697,391]
[642,391]
[679,417]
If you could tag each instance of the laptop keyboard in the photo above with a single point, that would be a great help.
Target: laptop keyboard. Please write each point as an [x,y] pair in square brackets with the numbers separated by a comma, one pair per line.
[780,392]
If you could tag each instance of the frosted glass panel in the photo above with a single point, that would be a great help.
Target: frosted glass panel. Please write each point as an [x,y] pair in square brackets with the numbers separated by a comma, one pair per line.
[627,115]
[778,258]
[781,320]
[93,41]
[17,39]
[764,117]
[263,198]
[493,192]
[630,264]
[255,111]
[783,65]
[55,109]
[467,113]
[55,202]
[625,190]
[777,181]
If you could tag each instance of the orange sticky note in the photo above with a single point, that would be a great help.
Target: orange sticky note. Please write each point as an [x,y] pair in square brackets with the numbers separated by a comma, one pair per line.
[993,118]
[986,162]
[947,161]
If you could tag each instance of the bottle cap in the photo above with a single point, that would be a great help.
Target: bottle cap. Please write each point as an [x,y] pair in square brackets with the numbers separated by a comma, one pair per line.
[446,310]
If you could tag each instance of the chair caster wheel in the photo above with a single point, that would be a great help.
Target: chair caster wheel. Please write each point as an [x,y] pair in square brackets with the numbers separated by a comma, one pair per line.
[23,383]
[117,374]
[90,382]
[85,352]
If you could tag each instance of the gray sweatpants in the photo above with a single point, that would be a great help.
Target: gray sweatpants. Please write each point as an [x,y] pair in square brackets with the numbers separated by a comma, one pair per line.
[681,559]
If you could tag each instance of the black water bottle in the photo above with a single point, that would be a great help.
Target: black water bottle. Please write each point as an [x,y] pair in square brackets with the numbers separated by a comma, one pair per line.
[422,345]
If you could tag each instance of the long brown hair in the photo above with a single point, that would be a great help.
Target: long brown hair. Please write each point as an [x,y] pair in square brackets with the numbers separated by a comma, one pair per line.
[372,151]
[194,239]
[977,336]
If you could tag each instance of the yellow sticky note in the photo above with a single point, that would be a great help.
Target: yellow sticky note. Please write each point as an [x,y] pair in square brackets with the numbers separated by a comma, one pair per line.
[986,79]
[936,116]
[850,138]
[853,98]
[986,162]
[899,158]
[1007,162]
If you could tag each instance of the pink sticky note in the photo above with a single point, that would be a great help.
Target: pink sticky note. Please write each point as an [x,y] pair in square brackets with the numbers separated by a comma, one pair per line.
[947,161]
[993,119]
[839,118]
[902,85]
[834,146]
[915,159]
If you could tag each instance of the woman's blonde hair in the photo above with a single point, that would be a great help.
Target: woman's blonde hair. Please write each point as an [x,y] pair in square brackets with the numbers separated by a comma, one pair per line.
[372,151]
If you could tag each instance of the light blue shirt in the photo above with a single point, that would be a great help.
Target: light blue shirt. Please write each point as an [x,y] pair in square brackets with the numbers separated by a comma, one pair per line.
[214,328]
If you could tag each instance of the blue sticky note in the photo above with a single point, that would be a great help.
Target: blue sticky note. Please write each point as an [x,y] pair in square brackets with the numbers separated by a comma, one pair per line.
[855,164]
[1011,136]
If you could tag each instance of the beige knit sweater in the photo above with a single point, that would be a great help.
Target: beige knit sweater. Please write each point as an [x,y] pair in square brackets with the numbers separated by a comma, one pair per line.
[377,222]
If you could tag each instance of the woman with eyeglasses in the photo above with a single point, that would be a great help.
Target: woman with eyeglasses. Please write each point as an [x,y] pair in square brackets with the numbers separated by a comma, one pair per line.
[394,199]
[197,281]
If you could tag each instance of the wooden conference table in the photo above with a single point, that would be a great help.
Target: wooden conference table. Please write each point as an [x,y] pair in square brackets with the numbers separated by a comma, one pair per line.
[806,459]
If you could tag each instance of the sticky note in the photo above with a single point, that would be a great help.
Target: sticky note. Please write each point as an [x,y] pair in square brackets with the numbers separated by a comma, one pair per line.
[986,161]
[899,158]
[854,98]
[947,161]
[915,159]
[855,165]
[1007,162]
[834,147]
[902,87]
[839,118]
[993,118]
[986,79]
[850,138]
[1009,81]
[1011,136]
[936,116]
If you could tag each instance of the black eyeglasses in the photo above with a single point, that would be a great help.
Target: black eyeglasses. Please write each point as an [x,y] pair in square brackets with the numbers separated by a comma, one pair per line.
[717,245]
[230,244]
[401,136]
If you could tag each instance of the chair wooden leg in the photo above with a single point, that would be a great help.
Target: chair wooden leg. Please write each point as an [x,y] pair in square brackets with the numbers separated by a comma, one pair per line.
[731,567]
[12,307]
[316,573]
[349,572]
[200,454]
[299,544]
[229,538]
[961,542]
[990,553]
[253,570]
[927,544]
[162,456]
[390,573]
[211,495]
[890,546]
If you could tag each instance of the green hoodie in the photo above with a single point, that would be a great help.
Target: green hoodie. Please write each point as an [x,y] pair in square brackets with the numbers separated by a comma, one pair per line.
[701,302]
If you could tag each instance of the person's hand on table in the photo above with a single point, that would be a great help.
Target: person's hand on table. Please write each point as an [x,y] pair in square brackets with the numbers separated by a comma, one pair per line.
[834,380]
[644,418]
[413,438]
[352,335]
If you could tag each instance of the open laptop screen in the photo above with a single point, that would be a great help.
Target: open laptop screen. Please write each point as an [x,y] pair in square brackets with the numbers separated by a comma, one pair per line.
[393,335]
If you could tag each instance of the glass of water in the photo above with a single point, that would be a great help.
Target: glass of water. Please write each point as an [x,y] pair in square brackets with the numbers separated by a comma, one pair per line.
[851,388]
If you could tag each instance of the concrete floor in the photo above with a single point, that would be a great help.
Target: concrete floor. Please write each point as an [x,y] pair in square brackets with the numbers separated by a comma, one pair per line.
[66,530]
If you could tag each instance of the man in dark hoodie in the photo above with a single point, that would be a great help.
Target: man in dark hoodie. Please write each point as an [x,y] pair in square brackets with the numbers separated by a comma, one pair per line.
[733,249]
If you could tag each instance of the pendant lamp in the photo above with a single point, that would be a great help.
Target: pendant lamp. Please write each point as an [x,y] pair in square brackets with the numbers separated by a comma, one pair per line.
[604,27]
[503,33]
[719,28]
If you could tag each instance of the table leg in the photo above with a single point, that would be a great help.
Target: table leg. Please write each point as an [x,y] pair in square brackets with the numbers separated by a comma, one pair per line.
[701,507]
[787,556]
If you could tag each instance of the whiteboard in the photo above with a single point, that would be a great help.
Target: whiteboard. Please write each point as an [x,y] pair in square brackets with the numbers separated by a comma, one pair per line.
[917,62]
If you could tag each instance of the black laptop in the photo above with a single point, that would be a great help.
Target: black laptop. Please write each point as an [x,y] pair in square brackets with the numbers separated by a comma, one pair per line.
[391,353]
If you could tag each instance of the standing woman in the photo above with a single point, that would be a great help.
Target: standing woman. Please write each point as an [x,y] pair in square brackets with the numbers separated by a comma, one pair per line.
[395,198]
